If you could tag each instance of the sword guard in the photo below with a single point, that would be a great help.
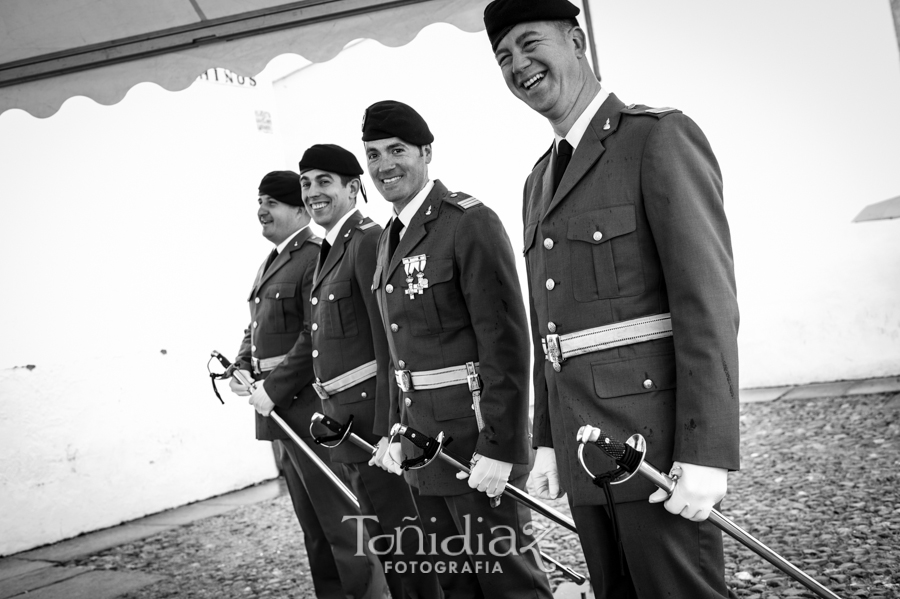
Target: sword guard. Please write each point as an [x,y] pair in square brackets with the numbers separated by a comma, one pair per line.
[431,447]
[342,431]
[628,456]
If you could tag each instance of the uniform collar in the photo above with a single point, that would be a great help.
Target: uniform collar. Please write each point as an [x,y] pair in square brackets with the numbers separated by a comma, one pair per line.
[409,211]
[581,124]
[280,247]
[331,236]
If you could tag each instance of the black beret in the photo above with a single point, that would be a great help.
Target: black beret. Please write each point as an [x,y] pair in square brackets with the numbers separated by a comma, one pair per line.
[331,158]
[284,186]
[502,15]
[395,119]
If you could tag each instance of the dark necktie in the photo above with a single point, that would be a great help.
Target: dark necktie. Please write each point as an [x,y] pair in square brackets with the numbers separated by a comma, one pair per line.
[563,155]
[270,259]
[323,253]
[394,236]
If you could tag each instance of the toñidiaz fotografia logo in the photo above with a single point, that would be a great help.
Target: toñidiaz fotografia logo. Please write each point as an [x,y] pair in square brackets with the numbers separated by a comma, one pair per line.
[482,550]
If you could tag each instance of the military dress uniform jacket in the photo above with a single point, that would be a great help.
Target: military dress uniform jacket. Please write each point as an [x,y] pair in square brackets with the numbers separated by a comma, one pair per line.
[347,333]
[279,325]
[471,311]
[636,228]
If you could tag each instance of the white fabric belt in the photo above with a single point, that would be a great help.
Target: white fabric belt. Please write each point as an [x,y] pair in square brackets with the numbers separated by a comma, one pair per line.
[435,379]
[346,380]
[559,347]
[266,364]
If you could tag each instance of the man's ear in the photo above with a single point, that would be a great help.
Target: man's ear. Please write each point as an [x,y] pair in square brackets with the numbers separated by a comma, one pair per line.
[426,151]
[579,41]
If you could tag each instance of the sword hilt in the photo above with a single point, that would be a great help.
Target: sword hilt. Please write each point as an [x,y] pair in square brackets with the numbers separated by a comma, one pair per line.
[431,447]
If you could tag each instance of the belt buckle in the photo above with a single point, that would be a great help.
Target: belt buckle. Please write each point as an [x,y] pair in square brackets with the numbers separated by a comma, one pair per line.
[254,364]
[320,390]
[553,350]
[404,380]
[472,378]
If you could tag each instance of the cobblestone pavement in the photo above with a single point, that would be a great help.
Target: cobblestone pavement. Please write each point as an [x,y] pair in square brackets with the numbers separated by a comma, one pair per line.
[819,485]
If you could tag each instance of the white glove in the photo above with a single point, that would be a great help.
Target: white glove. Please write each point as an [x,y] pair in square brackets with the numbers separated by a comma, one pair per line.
[488,475]
[697,490]
[239,388]
[543,481]
[392,457]
[381,448]
[260,400]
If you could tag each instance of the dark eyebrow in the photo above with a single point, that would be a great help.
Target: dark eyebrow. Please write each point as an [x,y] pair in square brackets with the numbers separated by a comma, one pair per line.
[525,34]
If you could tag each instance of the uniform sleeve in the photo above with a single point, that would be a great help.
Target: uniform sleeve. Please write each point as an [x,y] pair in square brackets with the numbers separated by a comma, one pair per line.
[242,360]
[296,370]
[682,188]
[493,296]
[364,264]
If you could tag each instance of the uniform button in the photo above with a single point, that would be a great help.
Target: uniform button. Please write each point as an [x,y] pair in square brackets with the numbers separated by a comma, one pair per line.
[548,243]
[401,364]
[408,402]
[331,297]
[473,406]
[550,284]
[598,235]
[314,301]
[389,288]
[363,394]
[551,326]
[315,353]
[454,194]
[256,300]
[255,324]
[648,383]
[277,294]
[315,326]
[394,328]
[253,348]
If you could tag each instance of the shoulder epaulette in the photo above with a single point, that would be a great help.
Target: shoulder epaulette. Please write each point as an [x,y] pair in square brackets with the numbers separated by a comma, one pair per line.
[366,223]
[463,200]
[550,149]
[638,109]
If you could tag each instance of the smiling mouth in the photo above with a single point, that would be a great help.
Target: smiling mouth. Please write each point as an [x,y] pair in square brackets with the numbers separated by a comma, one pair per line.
[391,180]
[318,205]
[264,222]
[530,83]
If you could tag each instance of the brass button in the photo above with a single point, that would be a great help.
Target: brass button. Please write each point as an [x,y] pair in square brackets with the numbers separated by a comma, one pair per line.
[551,326]
[548,243]
[389,288]
[277,294]
[401,364]
[315,326]
[648,384]
[314,301]
[331,297]
[253,348]
[454,194]
[256,300]
[315,353]
[598,235]
[408,402]
[394,328]
[363,394]
[550,284]
[255,324]
[473,406]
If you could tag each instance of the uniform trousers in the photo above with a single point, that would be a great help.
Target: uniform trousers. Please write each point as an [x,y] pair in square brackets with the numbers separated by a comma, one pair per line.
[494,570]
[404,548]
[331,545]
[665,555]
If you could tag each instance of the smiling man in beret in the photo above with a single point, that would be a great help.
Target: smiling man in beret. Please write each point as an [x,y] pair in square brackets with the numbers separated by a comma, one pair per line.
[455,321]
[276,350]
[634,311]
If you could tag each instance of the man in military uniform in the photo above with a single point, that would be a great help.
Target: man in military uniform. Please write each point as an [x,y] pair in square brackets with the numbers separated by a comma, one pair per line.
[276,350]
[634,311]
[351,361]
[452,308]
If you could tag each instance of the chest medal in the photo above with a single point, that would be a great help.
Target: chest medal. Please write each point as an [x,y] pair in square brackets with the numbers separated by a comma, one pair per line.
[415,275]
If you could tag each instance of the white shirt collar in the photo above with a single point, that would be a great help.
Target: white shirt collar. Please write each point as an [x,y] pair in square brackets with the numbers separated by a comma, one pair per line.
[584,120]
[280,247]
[409,211]
[331,236]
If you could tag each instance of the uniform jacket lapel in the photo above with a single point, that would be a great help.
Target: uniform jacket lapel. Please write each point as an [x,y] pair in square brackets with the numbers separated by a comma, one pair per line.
[284,257]
[588,152]
[337,250]
[417,230]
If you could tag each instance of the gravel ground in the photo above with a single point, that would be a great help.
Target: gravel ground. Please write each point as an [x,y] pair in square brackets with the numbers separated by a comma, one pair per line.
[818,485]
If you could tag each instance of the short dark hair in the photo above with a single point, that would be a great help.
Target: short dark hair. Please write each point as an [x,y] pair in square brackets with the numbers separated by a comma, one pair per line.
[565,24]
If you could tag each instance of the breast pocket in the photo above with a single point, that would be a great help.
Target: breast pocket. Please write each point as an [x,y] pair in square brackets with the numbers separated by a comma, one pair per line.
[337,310]
[281,311]
[605,255]
[440,306]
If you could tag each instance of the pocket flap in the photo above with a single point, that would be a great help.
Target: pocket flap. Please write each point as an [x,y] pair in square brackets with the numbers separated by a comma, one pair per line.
[280,290]
[602,225]
[332,292]
[634,375]
[452,409]
[438,271]
[530,232]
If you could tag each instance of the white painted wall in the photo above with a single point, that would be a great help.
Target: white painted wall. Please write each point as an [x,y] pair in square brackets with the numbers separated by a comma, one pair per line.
[130,229]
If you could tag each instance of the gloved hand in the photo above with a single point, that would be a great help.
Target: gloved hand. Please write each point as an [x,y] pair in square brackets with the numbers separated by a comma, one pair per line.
[381,448]
[392,457]
[697,490]
[487,475]
[239,388]
[543,481]
[259,399]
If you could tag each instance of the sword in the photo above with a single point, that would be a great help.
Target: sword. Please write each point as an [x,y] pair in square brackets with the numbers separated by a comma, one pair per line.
[344,431]
[630,457]
[316,460]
